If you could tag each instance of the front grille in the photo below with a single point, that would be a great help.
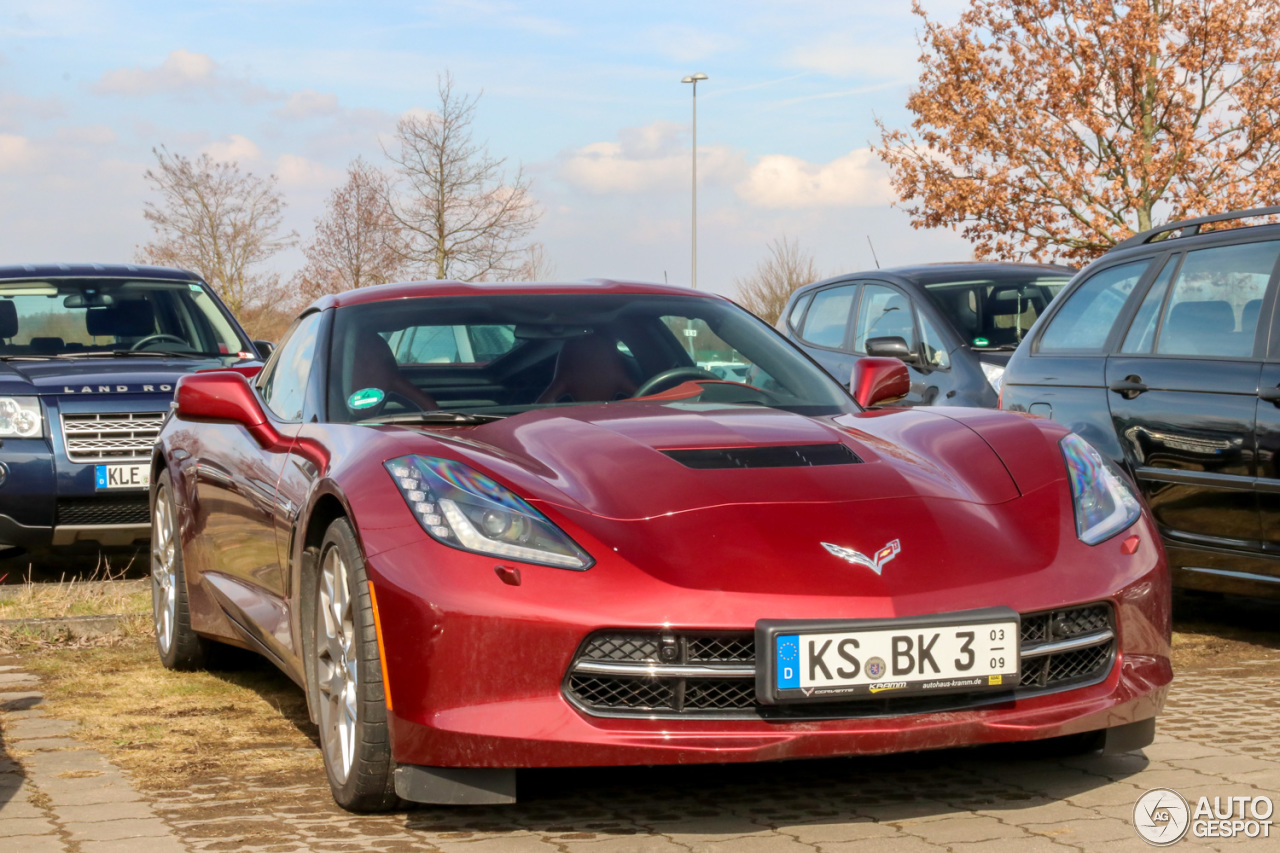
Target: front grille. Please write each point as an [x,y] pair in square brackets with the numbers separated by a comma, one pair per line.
[790,456]
[82,511]
[713,673]
[110,437]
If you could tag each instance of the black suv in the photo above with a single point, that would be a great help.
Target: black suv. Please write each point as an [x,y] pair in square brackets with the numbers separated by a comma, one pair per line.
[1163,354]
[954,325]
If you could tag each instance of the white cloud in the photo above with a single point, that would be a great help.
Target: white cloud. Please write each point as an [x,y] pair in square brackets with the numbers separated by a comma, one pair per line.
[683,43]
[850,54]
[780,181]
[93,134]
[649,159]
[307,104]
[14,107]
[181,69]
[16,152]
[235,148]
[297,172]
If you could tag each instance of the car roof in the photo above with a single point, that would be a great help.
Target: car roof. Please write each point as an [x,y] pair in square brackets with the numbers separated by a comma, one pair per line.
[418,289]
[926,274]
[134,271]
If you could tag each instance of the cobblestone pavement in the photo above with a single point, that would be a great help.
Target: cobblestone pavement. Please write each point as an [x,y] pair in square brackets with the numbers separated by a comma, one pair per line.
[1220,735]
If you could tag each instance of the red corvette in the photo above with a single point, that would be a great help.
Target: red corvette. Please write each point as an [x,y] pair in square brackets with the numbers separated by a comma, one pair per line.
[488,527]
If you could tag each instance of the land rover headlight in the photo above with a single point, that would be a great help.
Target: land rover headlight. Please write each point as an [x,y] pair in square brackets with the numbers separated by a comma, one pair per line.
[1104,502]
[20,417]
[462,508]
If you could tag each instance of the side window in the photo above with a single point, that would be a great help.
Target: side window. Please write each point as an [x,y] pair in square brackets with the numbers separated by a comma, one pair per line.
[935,351]
[884,312]
[1142,332]
[797,311]
[451,344]
[285,385]
[1084,321]
[828,316]
[1214,305]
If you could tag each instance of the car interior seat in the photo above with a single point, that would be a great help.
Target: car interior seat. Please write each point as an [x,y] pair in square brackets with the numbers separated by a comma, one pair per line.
[8,320]
[1249,316]
[1203,327]
[589,369]
[46,346]
[375,367]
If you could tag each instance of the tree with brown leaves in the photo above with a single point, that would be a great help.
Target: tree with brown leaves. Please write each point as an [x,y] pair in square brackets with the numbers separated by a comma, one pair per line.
[765,292]
[1053,129]
[358,241]
[217,221]
[463,219]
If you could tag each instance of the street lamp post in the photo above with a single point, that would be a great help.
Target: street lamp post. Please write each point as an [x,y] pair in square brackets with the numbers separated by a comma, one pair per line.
[694,78]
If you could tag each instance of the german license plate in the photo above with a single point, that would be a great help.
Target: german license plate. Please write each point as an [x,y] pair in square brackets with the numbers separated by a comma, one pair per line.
[122,476]
[808,661]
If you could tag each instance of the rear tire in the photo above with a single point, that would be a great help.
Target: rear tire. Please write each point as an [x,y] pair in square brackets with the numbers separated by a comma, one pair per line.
[179,646]
[346,669]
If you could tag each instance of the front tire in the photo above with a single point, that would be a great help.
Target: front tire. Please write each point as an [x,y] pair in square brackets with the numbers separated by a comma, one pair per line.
[180,647]
[347,672]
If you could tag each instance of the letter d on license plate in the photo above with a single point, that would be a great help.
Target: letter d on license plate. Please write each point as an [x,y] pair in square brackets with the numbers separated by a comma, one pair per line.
[832,661]
[122,476]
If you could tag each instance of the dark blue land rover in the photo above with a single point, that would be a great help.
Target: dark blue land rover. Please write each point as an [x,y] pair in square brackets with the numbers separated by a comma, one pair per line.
[89,356]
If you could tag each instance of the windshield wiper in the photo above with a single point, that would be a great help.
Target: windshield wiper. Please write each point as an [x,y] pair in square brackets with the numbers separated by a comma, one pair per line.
[459,418]
[997,348]
[157,353]
[119,353]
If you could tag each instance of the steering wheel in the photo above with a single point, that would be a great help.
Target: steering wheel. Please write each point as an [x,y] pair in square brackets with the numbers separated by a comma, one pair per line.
[666,378]
[149,339]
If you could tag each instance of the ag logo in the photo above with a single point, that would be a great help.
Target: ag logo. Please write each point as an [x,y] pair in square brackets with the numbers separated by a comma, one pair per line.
[875,563]
[1161,816]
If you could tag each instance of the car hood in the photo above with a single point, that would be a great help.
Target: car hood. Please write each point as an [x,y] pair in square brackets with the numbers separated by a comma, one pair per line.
[96,375]
[961,491]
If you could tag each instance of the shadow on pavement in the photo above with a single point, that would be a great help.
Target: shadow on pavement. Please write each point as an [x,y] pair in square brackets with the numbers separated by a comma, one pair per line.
[1252,620]
[11,772]
[737,799]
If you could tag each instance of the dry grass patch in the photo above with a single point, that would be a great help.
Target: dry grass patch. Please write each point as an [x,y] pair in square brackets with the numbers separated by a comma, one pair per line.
[170,729]
[103,593]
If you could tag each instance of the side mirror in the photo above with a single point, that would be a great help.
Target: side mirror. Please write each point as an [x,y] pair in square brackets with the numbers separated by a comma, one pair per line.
[891,346]
[878,380]
[264,348]
[224,395]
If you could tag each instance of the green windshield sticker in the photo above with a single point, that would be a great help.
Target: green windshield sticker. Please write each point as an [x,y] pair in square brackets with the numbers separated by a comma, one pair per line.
[366,398]
[197,288]
[981,342]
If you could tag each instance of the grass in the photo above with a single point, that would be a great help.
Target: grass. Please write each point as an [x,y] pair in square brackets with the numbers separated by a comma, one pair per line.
[103,592]
[170,728]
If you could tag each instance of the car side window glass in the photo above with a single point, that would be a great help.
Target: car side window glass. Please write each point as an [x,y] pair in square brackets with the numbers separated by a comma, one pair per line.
[884,312]
[1142,332]
[1214,305]
[285,386]
[797,311]
[1084,321]
[935,351]
[828,316]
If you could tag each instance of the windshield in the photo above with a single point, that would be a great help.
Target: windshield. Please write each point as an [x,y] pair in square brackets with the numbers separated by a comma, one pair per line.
[506,354]
[70,317]
[995,313]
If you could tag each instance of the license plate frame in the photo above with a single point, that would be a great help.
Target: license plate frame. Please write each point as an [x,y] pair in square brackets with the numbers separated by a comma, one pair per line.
[860,687]
[122,476]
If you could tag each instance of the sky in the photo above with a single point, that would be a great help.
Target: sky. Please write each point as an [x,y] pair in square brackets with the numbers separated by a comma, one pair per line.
[584,97]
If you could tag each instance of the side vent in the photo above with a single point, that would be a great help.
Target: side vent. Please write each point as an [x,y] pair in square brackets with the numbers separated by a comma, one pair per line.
[790,456]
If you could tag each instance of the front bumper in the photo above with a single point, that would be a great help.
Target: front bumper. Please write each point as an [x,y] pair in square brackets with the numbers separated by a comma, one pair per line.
[476,668]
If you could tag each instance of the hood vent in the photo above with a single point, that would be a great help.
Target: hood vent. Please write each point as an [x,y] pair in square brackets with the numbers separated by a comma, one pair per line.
[787,456]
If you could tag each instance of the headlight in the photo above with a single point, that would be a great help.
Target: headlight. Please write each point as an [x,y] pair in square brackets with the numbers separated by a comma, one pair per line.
[20,417]
[1104,503]
[464,509]
[994,374]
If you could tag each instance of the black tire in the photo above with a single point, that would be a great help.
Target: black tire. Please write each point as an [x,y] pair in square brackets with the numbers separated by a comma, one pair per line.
[179,647]
[357,752]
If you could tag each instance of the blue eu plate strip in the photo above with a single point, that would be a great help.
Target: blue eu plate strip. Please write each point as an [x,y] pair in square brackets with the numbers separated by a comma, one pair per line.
[788,661]
[100,473]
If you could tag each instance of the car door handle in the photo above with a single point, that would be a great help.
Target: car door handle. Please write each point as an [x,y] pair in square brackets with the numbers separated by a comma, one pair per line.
[1271,395]
[1129,387]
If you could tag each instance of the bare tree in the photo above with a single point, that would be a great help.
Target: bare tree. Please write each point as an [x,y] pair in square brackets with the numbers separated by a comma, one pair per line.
[217,221]
[358,241]
[537,266]
[463,219]
[765,292]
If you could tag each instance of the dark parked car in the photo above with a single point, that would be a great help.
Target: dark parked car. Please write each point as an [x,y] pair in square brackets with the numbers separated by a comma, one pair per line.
[89,357]
[954,325]
[1164,355]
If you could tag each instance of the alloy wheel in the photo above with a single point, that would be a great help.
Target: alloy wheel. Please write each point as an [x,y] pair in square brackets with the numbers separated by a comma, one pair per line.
[164,573]
[336,666]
